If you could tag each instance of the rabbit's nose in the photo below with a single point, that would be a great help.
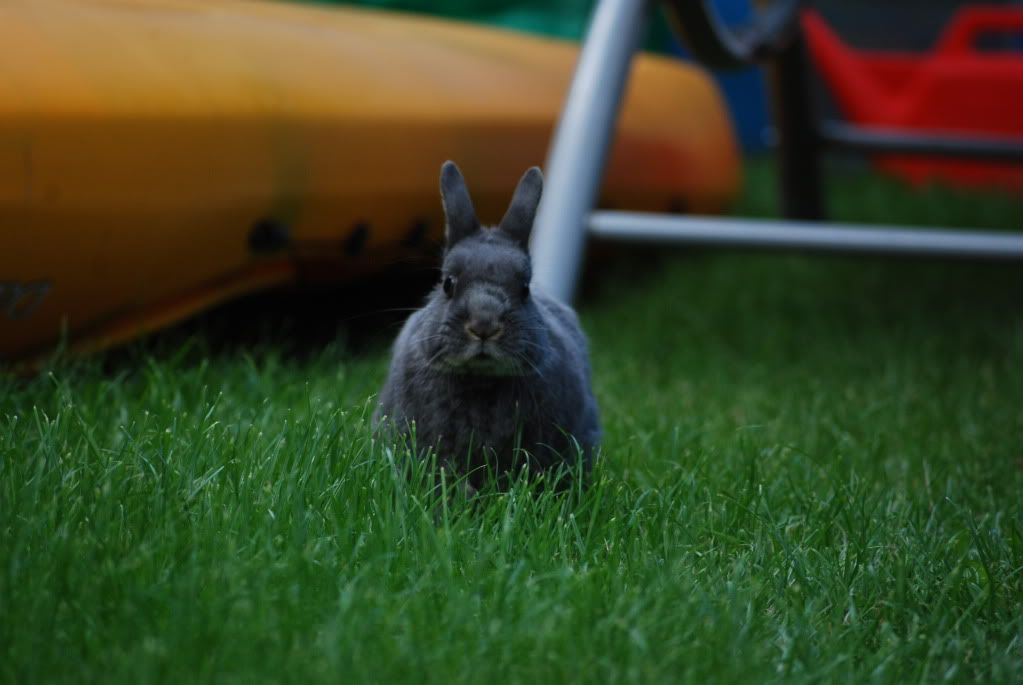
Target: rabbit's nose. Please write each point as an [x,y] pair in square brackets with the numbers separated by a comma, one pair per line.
[484,329]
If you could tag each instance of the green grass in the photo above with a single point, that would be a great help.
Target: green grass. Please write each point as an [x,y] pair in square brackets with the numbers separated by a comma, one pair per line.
[812,473]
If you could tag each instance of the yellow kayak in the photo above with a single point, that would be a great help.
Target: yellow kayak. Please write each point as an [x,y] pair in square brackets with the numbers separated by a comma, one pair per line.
[160,156]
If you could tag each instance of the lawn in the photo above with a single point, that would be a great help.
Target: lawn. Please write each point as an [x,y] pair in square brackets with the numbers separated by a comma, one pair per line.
[812,472]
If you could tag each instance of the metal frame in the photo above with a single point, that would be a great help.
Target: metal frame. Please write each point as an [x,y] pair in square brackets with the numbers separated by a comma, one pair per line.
[840,136]
[578,153]
[637,227]
[717,46]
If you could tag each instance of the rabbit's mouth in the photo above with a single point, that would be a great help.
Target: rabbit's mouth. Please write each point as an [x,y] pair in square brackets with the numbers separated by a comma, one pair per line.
[485,359]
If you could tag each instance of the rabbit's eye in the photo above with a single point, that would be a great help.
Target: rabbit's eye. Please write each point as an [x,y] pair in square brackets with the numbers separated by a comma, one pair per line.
[449,286]
[525,290]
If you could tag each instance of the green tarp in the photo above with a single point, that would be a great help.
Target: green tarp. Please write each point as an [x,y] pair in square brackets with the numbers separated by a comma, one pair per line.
[558,18]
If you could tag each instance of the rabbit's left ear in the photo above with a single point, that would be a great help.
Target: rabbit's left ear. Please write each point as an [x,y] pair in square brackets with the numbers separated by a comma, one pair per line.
[518,220]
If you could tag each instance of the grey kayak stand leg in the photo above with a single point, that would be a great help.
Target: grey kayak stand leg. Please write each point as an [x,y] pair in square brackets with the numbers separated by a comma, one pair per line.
[579,148]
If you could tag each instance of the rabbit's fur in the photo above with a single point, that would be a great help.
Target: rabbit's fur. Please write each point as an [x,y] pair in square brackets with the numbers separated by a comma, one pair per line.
[488,373]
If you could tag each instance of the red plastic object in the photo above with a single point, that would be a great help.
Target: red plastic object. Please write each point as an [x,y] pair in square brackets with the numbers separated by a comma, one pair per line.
[955,88]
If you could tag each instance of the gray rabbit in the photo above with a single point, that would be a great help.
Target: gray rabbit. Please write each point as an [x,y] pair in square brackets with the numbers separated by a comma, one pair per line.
[492,375]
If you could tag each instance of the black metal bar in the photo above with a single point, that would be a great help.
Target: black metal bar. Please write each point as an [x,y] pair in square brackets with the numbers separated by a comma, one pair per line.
[802,193]
[945,144]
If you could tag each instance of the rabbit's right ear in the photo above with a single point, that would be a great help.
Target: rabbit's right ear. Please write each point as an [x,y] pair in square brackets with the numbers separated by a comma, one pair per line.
[518,220]
[458,210]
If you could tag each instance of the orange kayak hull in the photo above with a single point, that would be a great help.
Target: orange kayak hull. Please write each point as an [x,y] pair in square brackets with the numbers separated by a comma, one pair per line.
[160,156]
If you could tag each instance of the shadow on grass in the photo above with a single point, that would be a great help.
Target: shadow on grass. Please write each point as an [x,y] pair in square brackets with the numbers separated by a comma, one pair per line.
[724,289]
[295,323]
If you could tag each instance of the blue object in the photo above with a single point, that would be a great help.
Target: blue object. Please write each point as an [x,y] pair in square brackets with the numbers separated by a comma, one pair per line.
[744,90]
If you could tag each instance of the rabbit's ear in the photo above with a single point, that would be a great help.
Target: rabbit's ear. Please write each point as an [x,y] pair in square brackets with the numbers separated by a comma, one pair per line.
[458,210]
[518,220]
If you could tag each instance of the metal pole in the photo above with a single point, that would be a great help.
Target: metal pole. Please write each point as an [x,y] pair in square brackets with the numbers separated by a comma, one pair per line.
[662,229]
[578,153]
[932,143]
[802,193]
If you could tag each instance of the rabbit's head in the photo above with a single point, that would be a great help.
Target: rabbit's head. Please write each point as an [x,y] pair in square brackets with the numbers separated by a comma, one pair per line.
[485,321]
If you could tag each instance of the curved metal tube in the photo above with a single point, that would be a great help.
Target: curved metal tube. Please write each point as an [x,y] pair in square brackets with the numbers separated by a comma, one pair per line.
[716,45]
